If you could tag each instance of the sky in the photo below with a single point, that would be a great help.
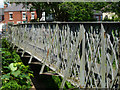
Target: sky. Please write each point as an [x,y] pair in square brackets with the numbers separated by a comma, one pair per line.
[1,3]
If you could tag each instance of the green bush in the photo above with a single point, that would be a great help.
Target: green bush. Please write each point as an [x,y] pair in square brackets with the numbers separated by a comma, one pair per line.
[11,85]
[117,19]
[13,70]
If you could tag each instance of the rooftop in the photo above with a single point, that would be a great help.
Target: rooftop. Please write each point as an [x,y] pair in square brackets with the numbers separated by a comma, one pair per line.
[16,7]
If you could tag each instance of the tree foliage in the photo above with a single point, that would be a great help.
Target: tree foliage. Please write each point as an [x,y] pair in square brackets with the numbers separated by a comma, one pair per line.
[75,11]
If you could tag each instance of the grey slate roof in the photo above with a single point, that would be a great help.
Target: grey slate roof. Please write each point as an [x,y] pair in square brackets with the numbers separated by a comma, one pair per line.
[14,7]
[1,11]
[97,12]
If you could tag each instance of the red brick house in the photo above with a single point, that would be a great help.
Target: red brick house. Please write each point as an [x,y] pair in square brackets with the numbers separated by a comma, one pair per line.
[17,14]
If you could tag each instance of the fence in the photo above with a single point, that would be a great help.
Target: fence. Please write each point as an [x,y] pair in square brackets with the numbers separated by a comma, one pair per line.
[83,53]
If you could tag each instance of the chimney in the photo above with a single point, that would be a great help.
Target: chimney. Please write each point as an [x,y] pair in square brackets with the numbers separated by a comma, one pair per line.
[5,6]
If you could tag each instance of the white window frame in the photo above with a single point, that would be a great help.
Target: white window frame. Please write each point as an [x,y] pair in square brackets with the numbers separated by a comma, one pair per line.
[31,15]
[9,15]
[23,18]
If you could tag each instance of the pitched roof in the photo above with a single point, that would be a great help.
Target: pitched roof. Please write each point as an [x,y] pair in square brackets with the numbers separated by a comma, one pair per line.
[1,11]
[15,7]
[97,12]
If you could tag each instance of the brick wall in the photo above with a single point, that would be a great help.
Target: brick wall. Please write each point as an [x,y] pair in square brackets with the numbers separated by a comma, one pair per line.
[17,16]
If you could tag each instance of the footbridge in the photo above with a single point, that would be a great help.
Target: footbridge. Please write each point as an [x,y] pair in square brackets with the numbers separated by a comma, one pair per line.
[84,53]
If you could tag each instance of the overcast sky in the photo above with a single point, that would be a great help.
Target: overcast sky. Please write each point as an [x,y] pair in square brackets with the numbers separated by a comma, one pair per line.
[1,3]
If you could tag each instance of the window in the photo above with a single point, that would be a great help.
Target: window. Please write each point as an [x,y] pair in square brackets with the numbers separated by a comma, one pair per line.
[97,17]
[32,15]
[23,15]
[10,15]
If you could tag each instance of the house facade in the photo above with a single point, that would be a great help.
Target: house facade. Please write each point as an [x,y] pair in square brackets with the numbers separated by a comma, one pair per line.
[97,15]
[18,14]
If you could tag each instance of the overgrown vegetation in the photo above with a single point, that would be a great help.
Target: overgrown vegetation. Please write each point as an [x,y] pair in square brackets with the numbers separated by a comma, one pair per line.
[15,75]
[54,81]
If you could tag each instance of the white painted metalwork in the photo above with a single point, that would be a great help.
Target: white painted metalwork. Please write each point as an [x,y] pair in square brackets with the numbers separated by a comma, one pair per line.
[85,54]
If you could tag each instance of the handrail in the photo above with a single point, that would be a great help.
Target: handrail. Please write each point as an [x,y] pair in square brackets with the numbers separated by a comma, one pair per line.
[87,22]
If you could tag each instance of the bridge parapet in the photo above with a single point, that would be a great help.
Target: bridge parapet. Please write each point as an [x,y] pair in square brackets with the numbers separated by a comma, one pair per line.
[84,53]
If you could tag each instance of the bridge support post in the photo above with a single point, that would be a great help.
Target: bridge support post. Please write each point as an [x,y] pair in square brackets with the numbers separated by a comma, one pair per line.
[30,60]
[17,49]
[103,56]
[82,61]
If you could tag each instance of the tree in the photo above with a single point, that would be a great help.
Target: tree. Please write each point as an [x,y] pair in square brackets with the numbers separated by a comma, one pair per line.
[115,7]
[78,11]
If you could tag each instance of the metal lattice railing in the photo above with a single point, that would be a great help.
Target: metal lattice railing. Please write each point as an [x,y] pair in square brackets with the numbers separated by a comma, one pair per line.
[85,54]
